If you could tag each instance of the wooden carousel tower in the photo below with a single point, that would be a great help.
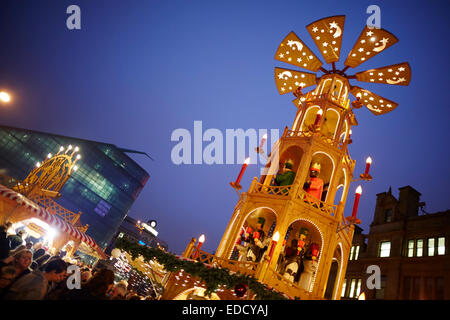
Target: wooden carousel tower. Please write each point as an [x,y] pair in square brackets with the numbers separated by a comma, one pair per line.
[289,226]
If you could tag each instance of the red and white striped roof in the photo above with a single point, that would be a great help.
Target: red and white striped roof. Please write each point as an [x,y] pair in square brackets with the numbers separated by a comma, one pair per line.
[51,219]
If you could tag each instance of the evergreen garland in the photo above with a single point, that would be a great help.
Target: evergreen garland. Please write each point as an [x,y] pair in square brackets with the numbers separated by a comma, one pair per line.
[212,277]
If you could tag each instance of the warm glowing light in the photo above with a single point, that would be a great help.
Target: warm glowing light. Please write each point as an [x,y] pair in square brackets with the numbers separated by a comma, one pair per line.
[320,112]
[61,149]
[49,155]
[276,236]
[369,160]
[75,168]
[78,157]
[51,233]
[38,164]
[139,221]
[201,239]
[5,97]
[265,136]
[372,39]
[362,296]
[70,147]
[76,149]
[358,190]
[247,161]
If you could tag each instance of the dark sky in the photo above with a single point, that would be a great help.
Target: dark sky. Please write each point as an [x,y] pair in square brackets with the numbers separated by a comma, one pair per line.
[137,70]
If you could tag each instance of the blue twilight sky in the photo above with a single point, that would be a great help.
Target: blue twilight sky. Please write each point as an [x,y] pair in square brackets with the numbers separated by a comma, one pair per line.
[137,70]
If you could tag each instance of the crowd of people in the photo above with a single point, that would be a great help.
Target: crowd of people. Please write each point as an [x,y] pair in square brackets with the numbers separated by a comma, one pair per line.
[30,271]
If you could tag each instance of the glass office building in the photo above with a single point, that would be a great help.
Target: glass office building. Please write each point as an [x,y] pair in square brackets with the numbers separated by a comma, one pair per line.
[103,188]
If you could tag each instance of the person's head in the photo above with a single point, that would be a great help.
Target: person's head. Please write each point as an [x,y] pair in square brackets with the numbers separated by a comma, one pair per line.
[22,259]
[86,275]
[7,275]
[38,253]
[101,282]
[43,259]
[119,290]
[55,270]
[37,246]
[314,170]
[29,245]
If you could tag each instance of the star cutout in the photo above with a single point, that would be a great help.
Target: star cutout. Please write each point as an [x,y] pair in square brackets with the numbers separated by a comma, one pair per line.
[280,76]
[369,34]
[281,55]
[325,44]
[401,69]
[299,59]
[334,25]
[360,49]
[315,29]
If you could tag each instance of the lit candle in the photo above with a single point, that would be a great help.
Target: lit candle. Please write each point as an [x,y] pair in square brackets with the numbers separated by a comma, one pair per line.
[264,139]
[318,117]
[275,239]
[355,204]
[368,163]
[244,166]
[201,239]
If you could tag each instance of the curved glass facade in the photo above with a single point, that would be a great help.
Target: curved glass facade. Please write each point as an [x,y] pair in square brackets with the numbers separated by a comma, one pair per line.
[103,188]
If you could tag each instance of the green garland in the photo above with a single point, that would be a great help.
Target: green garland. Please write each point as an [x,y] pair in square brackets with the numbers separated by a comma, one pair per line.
[212,277]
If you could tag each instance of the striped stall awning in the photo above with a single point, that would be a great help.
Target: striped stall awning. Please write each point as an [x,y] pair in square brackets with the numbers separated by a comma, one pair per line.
[51,219]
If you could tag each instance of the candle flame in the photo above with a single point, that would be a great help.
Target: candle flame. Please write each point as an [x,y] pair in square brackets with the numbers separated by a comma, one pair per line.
[276,236]
[350,131]
[362,296]
[247,161]
[265,136]
[358,190]
[201,239]
[369,160]
[320,112]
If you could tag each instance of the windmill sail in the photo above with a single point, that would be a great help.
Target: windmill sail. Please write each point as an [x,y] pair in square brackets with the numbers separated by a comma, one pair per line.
[375,103]
[327,35]
[370,43]
[397,74]
[289,80]
[292,50]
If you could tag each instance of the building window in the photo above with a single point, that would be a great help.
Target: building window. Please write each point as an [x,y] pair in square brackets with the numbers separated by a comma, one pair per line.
[385,249]
[352,288]
[356,252]
[410,248]
[431,247]
[344,286]
[388,215]
[441,245]
[358,288]
[419,248]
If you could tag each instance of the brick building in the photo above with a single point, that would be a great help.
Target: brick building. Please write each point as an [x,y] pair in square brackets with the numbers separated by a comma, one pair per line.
[411,250]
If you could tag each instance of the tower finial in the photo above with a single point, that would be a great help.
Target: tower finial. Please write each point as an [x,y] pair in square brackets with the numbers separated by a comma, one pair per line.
[390,190]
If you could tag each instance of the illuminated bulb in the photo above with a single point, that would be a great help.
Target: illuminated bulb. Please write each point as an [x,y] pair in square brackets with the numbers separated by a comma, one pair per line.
[70,147]
[38,164]
[358,190]
[49,155]
[320,112]
[369,160]
[5,97]
[75,168]
[78,157]
[202,237]
[76,149]
[247,161]
[276,236]
[61,149]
